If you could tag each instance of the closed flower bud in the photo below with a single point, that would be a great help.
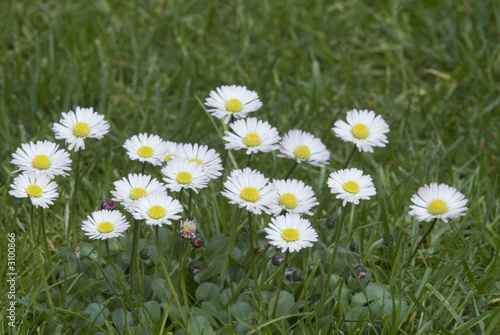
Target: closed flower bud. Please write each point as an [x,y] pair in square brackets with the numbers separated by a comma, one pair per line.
[360,270]
[297,275]
[277,259]
[384,240]
[330,222]
[198,241]
[108,204]
[193,267]
[144,254]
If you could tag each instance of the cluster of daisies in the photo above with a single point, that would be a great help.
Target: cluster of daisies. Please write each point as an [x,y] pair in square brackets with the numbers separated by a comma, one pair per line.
[193,166]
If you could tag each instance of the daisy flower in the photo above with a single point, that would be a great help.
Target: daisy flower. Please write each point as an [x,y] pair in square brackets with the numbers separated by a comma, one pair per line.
[303,146]
[232,100]
[363,128]
[135,186]
[42,157]
[157,209]
[105,224]
[146,148]
[250,190]
[253,135]
[172,151]
[437,201]
[76,126]
[188,229]
[291,232]
[293,196]
[39,188]
[351,185]
[183,173]
[208,159]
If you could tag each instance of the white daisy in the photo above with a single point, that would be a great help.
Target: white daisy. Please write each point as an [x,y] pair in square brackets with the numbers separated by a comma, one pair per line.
[157,209]
[39,188]
[76,126]
[363,128]
[146,148]
[303,146]
[105,224]
[135,186]
[293,196]
[351,185]
[232,100]
[42,157]
[209,159]
[291,232]
[437,201]
[183,173]
[250,189]
[188,229]
[172,151]
[253,135]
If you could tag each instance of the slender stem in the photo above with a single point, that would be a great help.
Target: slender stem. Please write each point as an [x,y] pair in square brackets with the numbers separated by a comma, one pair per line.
[45,243]
[280,283]
[72,222]
[420,242]
[167,276]
[143,167]
[338,233]
[190,203]
[232,240]
[185,252]
[350,157]
[117,274]
[172,243]
[291,170]
[249,159]
[40,259]
[99,252]
[251,251]
[133,256]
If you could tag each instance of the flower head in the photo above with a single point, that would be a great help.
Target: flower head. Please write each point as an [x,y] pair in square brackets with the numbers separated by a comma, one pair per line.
[351,185]
[290,232]
[293,196]
[188,229]
[208,159]
[42,157]
[232,100]
[172,151]
[135,186]
[303,146]
[105,224]
[363,128]
[250,190]
[75,127]
[157,209]
[146,148]
[437,201]
[181,173]
[253,135]
[39,188]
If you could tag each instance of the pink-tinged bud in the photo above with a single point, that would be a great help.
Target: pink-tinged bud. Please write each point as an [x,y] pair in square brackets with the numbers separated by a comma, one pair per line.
[361,275]
[108,204]
[188,229]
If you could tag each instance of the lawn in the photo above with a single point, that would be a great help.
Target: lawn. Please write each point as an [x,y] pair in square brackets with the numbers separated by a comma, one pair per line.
[430,69]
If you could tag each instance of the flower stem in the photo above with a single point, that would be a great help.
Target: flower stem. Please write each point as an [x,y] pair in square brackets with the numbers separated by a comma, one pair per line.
[190,202]
[252,263]
[133,256]
[45,244]
[350,157]
[280,283]
[117,274]
[72,222]
[232,240]
[421,241]
[291,170]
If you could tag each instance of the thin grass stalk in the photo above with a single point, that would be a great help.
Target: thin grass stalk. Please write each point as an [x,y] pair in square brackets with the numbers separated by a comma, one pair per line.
[350,157]
[252,263]
[291,170]
[421,241]
[232,240]
[72,223]
[45,243]
[117,274]
[133,256]
[280,284]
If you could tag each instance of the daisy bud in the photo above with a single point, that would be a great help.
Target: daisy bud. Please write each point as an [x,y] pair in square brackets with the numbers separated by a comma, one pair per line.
[108,204]
[360,270]
[310,268]
[278,259]
[198,241]
[144,254]
[330,222]
[353,246]
[297,275]
[188,229]
[257,250]
[194,267]
[384,240]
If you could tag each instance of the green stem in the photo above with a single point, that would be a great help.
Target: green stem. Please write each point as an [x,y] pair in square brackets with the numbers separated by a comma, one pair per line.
[133,256]
[252,263]
[117,274]
[45,243]
[249,159]
[72,222]
[350,157]
[189,215]
[291,170]
[420,242]
[167,276]
[338,233]
[280,283]
[232,240]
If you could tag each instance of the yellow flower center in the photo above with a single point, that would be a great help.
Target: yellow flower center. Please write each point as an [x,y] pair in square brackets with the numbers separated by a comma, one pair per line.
[288,200]
[187,229]
[105,227]
[251,140]
[41,162]
[34,191]
[351,187]
[250,194]
[302,152]
[145,151]
[290,234]
[137,193]
[81,129]
[360,131]
[157,212]
[437,207]
[169,157]
[234,106]
[197,160]
[184,178]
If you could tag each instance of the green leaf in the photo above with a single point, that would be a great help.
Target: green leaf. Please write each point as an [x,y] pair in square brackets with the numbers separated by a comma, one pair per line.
[207,291]
[151,312]
[121,320]
[198,324]
[96,313]
[285,303]
[160,287]
[241,310]
[373,291]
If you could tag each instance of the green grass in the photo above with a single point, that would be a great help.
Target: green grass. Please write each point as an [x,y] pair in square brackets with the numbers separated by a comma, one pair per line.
[430,68]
